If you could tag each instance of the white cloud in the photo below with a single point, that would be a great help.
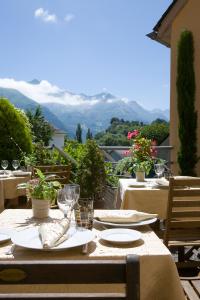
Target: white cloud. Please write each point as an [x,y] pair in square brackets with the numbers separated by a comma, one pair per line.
[45,92]
[69,17]
[44,15]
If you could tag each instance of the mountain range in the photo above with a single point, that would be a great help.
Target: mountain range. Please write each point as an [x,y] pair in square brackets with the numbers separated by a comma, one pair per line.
[65,110]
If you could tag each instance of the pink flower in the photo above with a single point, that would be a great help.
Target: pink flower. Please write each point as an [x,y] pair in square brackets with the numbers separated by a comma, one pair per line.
[132,134]
[126,153]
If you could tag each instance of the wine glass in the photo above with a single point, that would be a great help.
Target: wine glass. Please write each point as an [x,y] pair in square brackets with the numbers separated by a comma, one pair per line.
[67,197]
[159,169]
[15,164]
[4,164]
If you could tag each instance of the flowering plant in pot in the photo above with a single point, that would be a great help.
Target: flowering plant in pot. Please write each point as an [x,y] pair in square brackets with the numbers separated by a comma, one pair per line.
[140,158]
[42,191]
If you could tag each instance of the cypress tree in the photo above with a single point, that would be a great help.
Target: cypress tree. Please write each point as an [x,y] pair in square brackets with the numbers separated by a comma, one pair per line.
[79,133]
[89,135]
[185,84]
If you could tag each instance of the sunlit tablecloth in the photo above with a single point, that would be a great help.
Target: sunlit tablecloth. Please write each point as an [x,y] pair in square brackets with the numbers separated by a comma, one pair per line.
[158,273]
[8,187]
[147,199]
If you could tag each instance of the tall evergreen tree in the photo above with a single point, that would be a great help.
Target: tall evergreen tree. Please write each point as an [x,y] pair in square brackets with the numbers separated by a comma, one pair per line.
[187,155]
[79,133]
[89,135]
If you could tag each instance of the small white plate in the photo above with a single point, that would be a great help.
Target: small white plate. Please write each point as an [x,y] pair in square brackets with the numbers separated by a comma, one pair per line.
[29,238]
[127,225]
[120,235]
[4,237]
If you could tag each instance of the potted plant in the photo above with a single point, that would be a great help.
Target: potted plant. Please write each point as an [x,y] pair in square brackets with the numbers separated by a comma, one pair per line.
[140,158]
[42,193]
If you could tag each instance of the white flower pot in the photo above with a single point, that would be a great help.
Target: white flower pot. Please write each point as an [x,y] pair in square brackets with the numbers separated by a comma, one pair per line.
[40,208]
[140,176]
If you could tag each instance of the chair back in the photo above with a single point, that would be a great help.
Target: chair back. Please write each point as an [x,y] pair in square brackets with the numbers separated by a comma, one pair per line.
[183,216]
[61,172]
[59,272]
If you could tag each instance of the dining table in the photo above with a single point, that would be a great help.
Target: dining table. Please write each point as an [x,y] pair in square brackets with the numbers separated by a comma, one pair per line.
[150,196]
[159,278]
[8,185]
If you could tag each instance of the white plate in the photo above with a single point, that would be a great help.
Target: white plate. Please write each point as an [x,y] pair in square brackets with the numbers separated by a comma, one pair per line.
[120,236]
[29,238]
[127,225]
[4,237]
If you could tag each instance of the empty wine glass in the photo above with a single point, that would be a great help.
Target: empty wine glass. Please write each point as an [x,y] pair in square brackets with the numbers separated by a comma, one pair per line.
[4,164]
[67,197]
[15,164]
[159,169]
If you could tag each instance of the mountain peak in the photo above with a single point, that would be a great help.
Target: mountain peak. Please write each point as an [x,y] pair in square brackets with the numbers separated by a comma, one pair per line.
[34,81]
[104,96]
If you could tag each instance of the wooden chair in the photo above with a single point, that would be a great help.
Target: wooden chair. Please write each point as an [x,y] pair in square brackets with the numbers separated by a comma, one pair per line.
[72,272]
[61,172]
[191,287]
[183,218]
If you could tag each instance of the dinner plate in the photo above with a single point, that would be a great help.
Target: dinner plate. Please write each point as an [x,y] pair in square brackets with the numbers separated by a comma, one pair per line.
[120,235]
[29,238]
[127,225]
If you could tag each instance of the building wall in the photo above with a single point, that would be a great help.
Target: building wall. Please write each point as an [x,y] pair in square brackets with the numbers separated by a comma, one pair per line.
[58,140]
[189,19]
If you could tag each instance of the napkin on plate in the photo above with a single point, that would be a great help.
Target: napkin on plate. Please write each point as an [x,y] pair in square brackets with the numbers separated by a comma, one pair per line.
[53,234]
[123,216]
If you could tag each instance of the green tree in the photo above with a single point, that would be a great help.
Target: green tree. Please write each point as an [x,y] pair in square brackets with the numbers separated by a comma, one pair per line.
[79,133]
[89,135]
[15,132]
[185,83]
[42,131]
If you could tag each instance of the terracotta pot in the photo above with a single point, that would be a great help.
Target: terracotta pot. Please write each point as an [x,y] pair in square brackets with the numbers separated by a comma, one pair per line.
[40,208]
[140,176]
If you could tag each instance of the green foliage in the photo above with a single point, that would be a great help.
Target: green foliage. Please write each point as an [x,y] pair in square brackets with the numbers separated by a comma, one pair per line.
[187,155]
[41,188]
[43,156]
[116,133]
[41,129]
[111,178]
[15,132]
[79,133]
[91,171]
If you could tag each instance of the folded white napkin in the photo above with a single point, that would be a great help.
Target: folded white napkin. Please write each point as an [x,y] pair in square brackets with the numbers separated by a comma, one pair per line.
[53,234]
[123,216]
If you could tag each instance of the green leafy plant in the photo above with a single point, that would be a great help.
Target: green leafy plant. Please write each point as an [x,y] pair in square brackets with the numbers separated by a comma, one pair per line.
[91,172]
[40,188]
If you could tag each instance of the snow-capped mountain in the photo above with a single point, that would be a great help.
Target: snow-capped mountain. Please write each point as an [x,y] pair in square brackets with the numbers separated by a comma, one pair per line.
[66,109]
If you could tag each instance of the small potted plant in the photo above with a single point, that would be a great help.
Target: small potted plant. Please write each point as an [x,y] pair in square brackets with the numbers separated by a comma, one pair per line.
[42,193]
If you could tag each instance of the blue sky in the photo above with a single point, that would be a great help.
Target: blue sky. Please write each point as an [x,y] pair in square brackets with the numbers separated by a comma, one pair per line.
[87,46]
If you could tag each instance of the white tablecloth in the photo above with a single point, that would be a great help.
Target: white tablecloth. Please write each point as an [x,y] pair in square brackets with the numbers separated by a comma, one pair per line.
[146,199]
[8,187]
[158,274]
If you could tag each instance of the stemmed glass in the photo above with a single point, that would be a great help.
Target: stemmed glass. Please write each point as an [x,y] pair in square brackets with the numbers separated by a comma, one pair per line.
[4,164]
[15,164]
[67,198]
[159,169]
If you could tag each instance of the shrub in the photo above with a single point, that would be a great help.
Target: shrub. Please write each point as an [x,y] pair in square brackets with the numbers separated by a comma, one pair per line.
[15,132]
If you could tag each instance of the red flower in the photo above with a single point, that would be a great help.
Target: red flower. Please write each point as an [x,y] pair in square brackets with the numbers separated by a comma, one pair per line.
[126,153]
[132,134]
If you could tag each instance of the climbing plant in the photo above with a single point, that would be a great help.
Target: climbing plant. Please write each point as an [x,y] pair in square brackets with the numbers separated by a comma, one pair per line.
[185,84]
